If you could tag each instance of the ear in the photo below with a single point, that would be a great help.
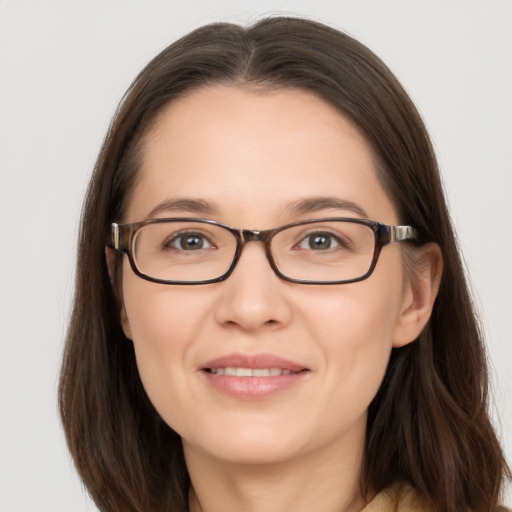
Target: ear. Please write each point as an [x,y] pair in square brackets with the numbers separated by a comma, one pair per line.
[125,323]
[420,293]
[110,257]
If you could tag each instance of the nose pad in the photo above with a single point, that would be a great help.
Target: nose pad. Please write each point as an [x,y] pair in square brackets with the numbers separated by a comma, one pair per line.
[254,296]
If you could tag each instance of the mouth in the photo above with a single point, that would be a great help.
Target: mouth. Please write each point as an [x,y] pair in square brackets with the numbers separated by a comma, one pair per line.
[251,372]
[253,377]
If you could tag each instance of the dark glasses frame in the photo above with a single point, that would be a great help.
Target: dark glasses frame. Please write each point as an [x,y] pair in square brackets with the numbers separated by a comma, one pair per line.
[122,236]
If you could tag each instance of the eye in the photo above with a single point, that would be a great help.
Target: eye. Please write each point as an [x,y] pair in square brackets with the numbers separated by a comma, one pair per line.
[320,241]
[189,242]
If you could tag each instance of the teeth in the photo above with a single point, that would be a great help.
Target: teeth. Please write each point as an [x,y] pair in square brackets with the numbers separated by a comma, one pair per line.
[243,372]
[265,372]
[250,372]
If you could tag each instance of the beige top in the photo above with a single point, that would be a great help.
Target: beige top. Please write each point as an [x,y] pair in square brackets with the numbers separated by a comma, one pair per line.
[398,498]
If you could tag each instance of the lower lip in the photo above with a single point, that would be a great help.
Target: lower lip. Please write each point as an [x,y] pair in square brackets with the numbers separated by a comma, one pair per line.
[253,388]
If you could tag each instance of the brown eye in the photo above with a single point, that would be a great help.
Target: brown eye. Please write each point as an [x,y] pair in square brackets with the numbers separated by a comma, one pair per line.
[319,242]
[189,242]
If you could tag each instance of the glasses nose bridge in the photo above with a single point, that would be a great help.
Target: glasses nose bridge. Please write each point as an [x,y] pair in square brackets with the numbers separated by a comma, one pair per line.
[253,235]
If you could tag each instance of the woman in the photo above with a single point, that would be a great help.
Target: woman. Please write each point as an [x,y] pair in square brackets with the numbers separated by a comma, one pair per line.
[270,310]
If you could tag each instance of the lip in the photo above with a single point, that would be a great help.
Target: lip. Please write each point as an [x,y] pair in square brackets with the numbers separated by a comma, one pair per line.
[253,388]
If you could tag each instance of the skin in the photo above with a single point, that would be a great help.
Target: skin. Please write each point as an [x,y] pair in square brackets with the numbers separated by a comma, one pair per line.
[249,155]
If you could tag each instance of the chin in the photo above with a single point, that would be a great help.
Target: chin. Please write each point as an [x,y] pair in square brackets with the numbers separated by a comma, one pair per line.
[249,445]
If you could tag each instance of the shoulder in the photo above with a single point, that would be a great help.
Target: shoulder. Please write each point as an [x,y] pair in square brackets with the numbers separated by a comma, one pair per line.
[397,498]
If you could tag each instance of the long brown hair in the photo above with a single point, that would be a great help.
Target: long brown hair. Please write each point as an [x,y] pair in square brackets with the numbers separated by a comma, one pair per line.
[428,424]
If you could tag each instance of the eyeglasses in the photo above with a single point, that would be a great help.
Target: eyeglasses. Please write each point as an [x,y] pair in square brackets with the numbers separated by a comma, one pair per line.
[190,251]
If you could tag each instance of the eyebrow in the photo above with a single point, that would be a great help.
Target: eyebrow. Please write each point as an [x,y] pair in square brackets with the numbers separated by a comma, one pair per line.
[316,204]
[181,205]
[296,208]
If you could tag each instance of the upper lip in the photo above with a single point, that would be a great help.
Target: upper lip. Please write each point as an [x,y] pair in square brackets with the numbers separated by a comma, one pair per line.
[255,361]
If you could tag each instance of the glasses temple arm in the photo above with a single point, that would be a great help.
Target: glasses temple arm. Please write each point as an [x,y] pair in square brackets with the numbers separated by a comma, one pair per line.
[401,233]
[114,237]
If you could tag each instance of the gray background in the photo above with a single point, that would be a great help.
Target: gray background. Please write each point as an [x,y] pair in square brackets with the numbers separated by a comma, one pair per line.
[64,66]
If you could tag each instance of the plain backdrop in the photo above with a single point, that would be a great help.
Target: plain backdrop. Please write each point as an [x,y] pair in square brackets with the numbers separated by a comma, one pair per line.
[63,68]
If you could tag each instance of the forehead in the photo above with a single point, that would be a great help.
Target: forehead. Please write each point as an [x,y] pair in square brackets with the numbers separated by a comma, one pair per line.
[249,153]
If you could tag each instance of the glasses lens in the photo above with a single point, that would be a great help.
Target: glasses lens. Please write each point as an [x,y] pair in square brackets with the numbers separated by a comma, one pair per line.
[183,251]
[324,251]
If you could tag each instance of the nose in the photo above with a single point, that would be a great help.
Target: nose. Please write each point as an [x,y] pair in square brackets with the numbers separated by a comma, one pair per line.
[254,297]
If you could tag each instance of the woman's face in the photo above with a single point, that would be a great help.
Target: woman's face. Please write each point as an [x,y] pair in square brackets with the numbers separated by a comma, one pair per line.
[246,159]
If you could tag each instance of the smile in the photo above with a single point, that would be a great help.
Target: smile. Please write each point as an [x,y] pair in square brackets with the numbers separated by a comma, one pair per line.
[253,376]
[250,372]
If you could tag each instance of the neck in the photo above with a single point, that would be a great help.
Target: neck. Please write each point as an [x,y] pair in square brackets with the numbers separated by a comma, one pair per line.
[323,482]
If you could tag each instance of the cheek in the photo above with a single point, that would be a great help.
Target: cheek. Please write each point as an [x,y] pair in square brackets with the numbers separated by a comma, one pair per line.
[357,316]
[356,325]
[163,324]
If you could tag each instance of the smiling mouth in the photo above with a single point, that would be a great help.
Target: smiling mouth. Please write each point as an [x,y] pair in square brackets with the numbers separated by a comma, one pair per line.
[253,377]
[251,372]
